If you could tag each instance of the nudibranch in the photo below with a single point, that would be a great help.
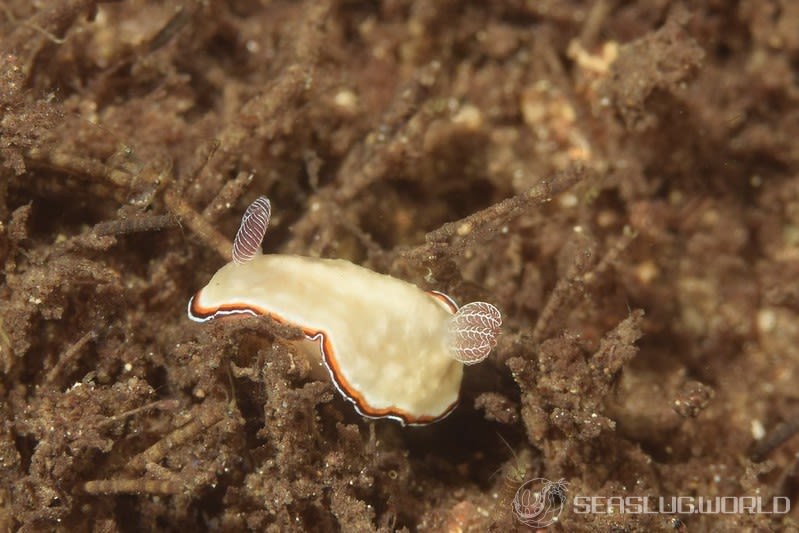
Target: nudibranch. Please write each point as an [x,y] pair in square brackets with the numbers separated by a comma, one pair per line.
[392,349]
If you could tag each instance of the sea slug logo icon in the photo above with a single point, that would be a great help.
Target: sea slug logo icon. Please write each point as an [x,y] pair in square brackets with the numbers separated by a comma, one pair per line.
[539,502]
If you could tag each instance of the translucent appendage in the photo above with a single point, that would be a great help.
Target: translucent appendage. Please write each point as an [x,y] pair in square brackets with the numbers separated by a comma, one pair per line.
[252,230]
[472,332]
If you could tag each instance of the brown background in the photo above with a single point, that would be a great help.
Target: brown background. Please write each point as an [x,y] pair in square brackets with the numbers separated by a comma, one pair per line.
[629,177]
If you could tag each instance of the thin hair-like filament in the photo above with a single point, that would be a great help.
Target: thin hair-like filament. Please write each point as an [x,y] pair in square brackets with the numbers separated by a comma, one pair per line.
[252,230]
[472,332]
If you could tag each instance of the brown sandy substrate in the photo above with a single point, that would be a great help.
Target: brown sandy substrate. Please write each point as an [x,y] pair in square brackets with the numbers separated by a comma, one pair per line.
[623,178]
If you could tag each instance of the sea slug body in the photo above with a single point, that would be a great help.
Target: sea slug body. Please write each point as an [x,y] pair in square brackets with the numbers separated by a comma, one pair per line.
[392,349]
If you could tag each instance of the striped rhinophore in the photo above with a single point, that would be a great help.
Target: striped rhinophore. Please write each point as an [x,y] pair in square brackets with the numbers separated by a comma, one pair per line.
[252,230]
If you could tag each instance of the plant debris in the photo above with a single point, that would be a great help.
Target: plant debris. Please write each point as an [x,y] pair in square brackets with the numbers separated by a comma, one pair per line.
[619,178]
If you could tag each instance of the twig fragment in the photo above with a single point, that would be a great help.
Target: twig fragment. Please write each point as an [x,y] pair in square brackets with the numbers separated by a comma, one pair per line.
[230,192]
[135,224]
[468,227]
[69,356]
[133,486]
[561,295]
[159,450]
[165,405]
